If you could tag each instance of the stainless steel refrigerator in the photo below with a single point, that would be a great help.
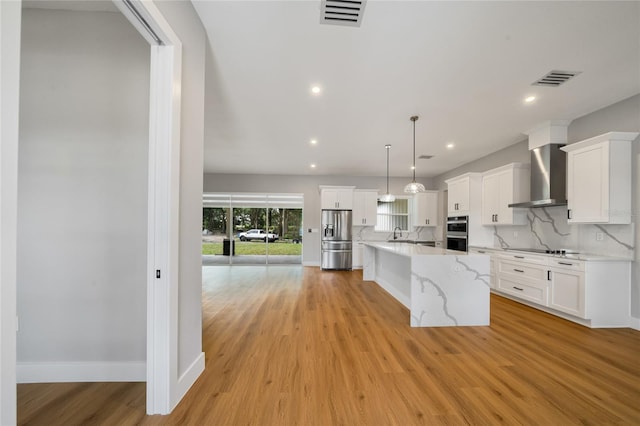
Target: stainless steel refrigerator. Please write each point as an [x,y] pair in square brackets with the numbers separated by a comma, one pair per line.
[336,239]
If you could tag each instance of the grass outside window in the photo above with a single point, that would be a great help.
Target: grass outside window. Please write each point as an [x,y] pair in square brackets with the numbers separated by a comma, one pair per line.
[244,248]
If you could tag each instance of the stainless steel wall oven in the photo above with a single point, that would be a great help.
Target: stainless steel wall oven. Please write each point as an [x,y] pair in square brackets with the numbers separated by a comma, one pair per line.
[457,232]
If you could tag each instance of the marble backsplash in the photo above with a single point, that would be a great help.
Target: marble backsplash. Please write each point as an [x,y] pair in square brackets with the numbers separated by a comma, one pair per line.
[423,233]
[548,229]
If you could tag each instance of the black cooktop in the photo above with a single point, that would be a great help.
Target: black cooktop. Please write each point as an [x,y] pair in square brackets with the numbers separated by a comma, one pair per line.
[544,251]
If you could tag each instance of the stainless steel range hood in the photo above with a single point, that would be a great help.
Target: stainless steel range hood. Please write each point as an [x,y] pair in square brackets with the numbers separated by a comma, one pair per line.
[548,166]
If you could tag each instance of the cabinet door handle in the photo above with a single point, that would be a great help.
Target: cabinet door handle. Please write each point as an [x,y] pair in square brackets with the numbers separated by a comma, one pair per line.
[519,257]
[565,263]
[568,213]
[518,270]
[548,275]
[496,217]
[518,288]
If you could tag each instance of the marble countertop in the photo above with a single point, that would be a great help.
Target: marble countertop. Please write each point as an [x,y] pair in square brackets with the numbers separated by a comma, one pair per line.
[579,256]
[407,249]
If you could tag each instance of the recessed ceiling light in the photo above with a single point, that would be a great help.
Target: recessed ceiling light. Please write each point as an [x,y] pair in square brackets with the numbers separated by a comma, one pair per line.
[313,141]
[315,90]
[450,145]
[529,99]
[313,166]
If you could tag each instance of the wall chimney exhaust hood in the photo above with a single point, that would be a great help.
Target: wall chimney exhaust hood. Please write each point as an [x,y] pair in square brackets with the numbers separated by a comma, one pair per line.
[548,165]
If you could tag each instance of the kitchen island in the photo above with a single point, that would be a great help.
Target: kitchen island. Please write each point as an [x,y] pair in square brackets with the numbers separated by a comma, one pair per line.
[440,287]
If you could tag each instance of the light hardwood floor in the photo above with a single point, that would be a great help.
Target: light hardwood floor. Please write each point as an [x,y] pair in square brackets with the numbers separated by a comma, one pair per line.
[287,345]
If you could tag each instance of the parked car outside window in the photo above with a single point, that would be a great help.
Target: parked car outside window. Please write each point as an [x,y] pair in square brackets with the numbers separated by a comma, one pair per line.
[257,234]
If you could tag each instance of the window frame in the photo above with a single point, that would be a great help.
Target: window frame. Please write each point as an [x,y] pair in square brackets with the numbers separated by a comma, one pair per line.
[409,215]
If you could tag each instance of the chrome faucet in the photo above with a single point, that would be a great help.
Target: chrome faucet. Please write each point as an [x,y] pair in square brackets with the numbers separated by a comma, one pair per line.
[397,228]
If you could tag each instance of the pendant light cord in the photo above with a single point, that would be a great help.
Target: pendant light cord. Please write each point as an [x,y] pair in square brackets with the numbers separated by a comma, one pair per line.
[414,118]
[388,147]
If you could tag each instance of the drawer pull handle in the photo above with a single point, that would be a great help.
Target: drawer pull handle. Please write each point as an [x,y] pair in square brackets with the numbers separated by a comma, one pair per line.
[519,257]
[565,263]
[481,251]
[518,270]
[548,275]
[518,288]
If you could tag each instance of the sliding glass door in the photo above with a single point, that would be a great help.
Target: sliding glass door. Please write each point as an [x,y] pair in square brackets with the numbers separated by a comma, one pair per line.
[251,229]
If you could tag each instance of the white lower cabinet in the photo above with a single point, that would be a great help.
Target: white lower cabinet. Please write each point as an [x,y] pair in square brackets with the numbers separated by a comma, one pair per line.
[524,277]
[566,282]
[531,291]
[592,293]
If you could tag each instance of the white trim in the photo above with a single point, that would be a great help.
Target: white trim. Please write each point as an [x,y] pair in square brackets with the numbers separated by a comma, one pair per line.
[634,323]
[10,24]
[164,207]
[54,372]
[187,379]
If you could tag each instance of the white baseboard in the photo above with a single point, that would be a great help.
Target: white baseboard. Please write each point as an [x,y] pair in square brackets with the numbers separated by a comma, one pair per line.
[187,379]
[311,264]
[56,372]
[635,323]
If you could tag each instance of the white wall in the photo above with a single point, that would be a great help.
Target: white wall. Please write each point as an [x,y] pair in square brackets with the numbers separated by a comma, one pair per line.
[82,195]
[10,23]
[307,185]
[186,24]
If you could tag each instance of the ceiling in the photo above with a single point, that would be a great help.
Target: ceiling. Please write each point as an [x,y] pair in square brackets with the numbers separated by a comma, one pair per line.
[463,67]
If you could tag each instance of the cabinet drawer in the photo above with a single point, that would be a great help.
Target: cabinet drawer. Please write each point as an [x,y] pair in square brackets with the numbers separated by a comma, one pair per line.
[522,270]
[528,291]
[523,257]
[569,264]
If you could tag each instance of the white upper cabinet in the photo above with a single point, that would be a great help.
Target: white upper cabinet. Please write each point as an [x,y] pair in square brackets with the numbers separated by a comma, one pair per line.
[425,208]
[365,207]
[336,198]
[599,179]
[463,191]
[503,186]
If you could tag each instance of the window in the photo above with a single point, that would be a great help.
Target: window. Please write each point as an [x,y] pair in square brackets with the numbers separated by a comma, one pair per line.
[393,215]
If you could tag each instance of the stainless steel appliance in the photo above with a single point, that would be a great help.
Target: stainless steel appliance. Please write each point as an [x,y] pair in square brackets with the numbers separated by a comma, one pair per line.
[336,239]
[457,232]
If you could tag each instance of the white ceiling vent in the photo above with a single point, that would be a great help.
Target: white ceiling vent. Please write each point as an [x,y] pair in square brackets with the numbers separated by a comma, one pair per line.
[342,12]
[555,78]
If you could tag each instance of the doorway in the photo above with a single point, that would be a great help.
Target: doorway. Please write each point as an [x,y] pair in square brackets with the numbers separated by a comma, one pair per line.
[82,205]
[252,229]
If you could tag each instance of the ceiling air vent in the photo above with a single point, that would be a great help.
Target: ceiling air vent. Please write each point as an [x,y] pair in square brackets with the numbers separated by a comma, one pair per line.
[555,78]
[342,12]
[425,157]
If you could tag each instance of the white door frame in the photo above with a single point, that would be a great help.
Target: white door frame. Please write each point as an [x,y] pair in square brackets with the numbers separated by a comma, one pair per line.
[10,24]
[163,203]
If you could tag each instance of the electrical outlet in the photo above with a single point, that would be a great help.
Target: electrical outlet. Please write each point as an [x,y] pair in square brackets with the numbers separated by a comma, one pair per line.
[599,236]
[515,234]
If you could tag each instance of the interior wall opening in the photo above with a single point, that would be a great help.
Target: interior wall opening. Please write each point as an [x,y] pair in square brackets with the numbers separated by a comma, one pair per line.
[82,196]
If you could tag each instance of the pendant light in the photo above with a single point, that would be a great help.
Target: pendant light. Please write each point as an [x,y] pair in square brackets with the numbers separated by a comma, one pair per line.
[414,187]
[388,198]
